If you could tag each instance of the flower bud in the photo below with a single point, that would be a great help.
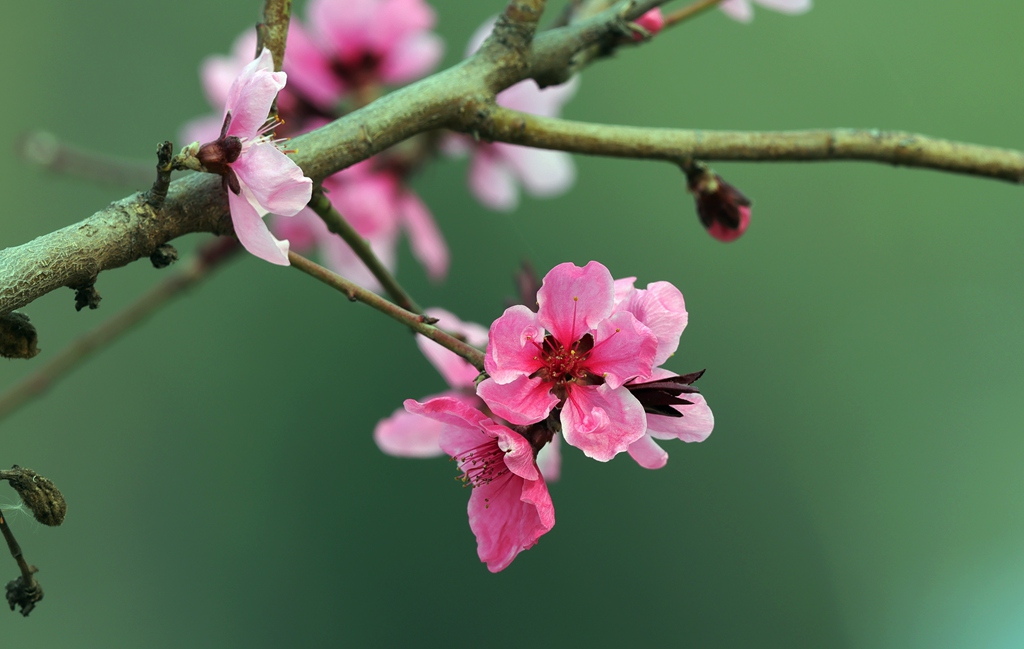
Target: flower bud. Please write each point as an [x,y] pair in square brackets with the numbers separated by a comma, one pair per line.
[723,210]
[39,494]
[652,22]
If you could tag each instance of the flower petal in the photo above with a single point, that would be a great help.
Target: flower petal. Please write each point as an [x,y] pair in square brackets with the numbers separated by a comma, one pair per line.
[412,58]
[513,344]
[457,371]
[275,181]
[602,422]
[508,516]
[492,180]
[521,402]
[426,240]
[543,173]
[549,460]
[647,453]
[309,69]
[738,10]
[787,6]
[662,309]
[251,95]
[623,349]
[252,232]
[202,129]
[404,434]
[695,425]
[573,300]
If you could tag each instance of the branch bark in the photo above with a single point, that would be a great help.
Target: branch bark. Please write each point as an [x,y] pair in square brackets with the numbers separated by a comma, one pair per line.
[899,148]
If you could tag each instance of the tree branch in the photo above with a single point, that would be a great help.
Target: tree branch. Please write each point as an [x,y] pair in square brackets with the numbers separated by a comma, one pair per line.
[420,324]
[681,145]
[689,11]
[272,32]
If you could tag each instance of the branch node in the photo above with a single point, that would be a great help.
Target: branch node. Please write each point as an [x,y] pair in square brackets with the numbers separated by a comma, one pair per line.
[164,256]
[17,336]
[24,592]
[87,296]
[430,320]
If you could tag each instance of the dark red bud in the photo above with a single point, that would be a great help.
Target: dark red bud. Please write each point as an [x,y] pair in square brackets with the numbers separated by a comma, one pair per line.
[723,210]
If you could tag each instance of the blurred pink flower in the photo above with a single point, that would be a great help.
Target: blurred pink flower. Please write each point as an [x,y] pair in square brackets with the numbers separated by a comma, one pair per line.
[353,43]
[742,10]
[510,507]
[497,169]
[581,366]
[379,207]
[674,409]
[259,178]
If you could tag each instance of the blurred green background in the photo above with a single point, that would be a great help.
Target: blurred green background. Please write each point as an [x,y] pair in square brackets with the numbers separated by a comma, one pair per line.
[862,488]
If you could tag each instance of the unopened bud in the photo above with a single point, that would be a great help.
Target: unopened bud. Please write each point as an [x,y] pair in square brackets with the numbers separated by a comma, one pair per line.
[39,494]
[723,210]
[651,22]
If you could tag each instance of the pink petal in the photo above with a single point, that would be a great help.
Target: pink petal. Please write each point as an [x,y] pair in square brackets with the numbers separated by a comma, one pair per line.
[309,69]
[340,258]
[301,230]
[623,289]
[404,434]
[343,28]
[623,349]
[647,453]
[543,173]
[513,345]
[573,300]
[549,460]
[412,58]
[368,199]
[695,425]
[662,309]
[492,181]
[219,72]
[521,402]
[275,181]
[508,516]
[528,97]
[251,95]
[738,10]
[252,232]
[786,6]
[479,36]
[427,243]
[602,422]
[653,21]
[397,20]
[462,431]
[456,370]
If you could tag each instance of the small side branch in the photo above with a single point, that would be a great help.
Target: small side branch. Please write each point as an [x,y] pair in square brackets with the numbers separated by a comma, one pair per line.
[48,152]
[272,32]
[689,11]
[209,258]
[679,146]
[337,224]
[418,323]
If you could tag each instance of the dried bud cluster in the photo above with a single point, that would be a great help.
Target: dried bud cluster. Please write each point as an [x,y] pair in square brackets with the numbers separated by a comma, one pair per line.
[39,494]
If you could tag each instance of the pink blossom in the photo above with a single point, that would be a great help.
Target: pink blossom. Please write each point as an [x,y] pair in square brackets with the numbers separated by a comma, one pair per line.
[674,409]
[408,435]
[742,10]
[259,177]
[576,353]
[379,207]
[356,43]
[510,507]
[497,169]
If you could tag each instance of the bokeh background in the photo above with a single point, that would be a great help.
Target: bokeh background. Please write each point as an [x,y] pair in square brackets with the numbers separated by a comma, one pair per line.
[862,488]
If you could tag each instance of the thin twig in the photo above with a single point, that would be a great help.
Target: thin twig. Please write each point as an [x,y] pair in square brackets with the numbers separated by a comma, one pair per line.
[209,258]
[680,145]
[47,151]
[419,323]
[689,11]
[337,224]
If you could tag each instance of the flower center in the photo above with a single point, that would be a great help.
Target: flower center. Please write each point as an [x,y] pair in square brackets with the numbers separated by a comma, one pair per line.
[565,365]
[482,464]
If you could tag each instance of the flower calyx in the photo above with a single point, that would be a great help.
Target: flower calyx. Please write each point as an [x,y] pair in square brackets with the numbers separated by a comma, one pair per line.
[658,396]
